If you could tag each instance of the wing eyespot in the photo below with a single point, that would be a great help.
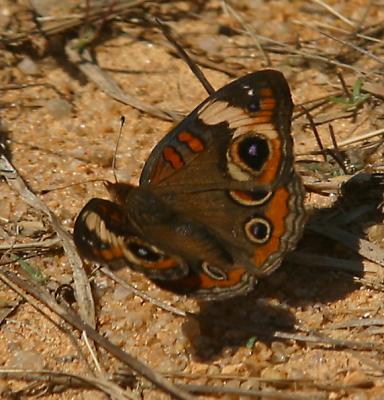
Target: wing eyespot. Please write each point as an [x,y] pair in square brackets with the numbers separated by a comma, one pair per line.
[214,272]
[258,230]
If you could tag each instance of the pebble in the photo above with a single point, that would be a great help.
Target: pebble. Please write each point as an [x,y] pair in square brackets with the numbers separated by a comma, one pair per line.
[271,373]
[359,379]
[279,352]
[31,228]
[59,108]
[26,359]
[28,67]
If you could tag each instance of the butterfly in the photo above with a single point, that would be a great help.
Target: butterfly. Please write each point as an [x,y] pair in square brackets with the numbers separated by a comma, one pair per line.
[219,203]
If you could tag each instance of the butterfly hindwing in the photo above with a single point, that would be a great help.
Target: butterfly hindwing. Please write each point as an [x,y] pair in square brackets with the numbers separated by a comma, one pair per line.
[104,234]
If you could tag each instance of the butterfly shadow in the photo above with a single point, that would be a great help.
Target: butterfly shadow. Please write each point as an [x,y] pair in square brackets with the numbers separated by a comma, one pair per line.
[223,326]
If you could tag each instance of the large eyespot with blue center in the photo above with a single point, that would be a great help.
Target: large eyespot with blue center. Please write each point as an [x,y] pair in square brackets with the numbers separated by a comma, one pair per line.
[247,155]
[258,230]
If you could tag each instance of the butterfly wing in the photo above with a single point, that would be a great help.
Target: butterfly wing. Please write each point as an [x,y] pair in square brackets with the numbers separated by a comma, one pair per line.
[229,165]
[259,102]
[103,233]
[141,231]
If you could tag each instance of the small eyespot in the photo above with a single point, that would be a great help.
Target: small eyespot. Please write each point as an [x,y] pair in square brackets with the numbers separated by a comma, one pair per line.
[258,230]
[214,272]
[254,107]
[143,252]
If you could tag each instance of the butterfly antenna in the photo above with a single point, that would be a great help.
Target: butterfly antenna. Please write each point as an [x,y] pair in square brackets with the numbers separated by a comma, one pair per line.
[167,32]
[122,122]
[45,191]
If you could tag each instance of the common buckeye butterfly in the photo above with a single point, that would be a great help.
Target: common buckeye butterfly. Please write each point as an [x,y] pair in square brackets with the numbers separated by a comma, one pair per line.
[219,203]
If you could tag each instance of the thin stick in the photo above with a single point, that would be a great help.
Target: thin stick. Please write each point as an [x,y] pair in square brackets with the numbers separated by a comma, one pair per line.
[45,191]
[334,12]
[82,285]
[167,32]
[248,29]
[180,313]
[345,43]
[69,316]
[335,152]
[365,136]
[315,132]
[64,379]
[343,84]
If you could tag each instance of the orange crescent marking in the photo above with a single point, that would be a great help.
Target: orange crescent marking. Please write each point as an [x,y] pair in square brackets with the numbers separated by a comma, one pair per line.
[273,163]
[234,277]
[276,212]
[171,155]
[243,195]
[195,282]
[193,142]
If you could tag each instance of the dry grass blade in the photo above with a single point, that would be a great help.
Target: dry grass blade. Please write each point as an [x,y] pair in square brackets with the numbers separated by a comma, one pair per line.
[94,73]
[8,309]
[356,323]
[66,380]
[227,7]
[343,42]
[166,30]
[319,260]
[82,286]
[333,343]
[69,316]
[349,44]
[309,54]
[362,137]
[37,306]
[53,243]
[334,12]
[366,249]
[331,185]
[263,393]
[144,296]
[51,25]
[374,88]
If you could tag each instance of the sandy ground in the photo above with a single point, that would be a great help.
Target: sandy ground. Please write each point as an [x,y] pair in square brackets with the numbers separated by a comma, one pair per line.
[67,136]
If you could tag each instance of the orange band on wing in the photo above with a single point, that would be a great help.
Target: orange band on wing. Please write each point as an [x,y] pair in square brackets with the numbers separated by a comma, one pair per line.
[273,163]
[268,103]
[276,212]
[166,263]
[193,142]
[109,254]
[173,157]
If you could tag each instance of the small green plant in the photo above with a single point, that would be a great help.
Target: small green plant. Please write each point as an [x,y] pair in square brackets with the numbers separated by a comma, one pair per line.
[356,99]
[33,272]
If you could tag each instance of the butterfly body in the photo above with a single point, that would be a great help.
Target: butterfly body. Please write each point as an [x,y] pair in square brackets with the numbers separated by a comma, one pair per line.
[219,203]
